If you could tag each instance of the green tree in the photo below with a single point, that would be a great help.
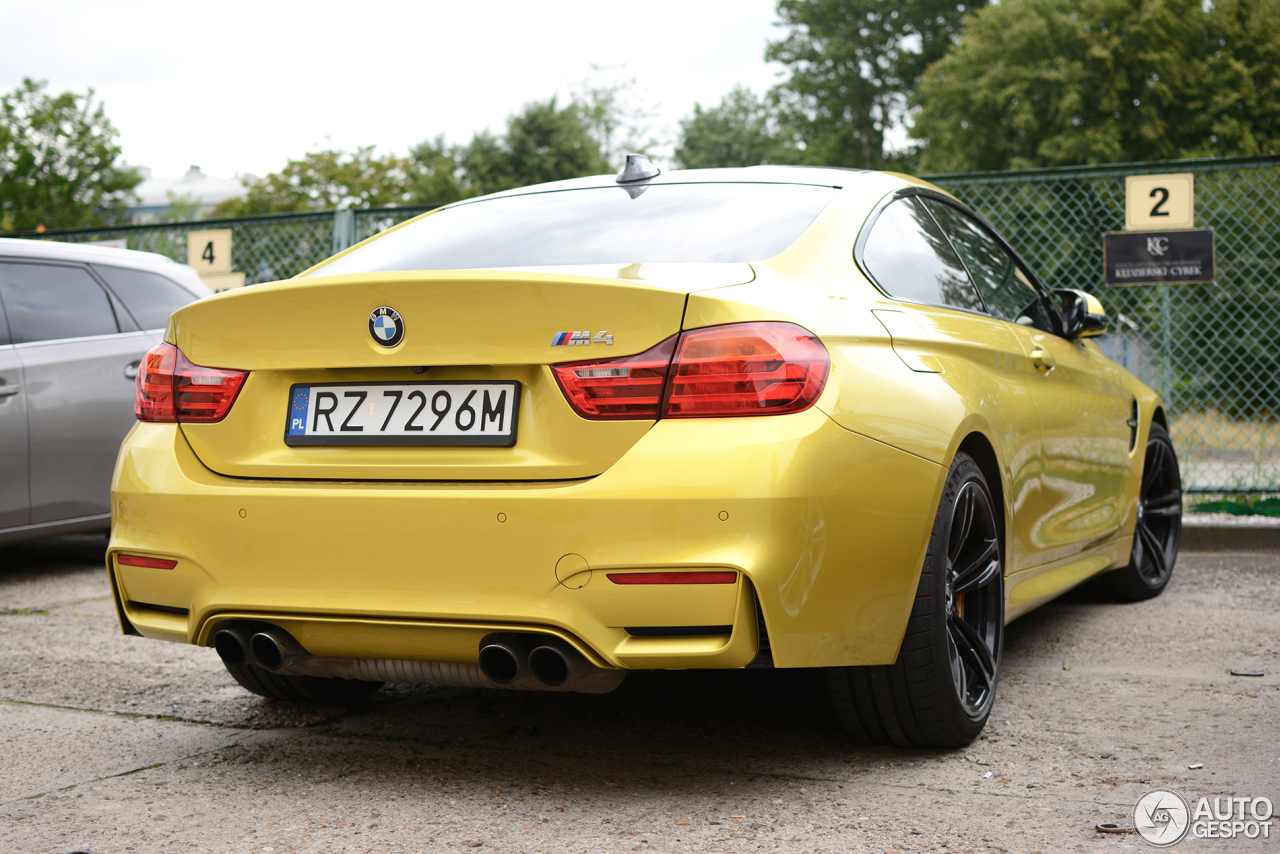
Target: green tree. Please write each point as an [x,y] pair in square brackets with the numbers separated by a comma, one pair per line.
[59,162]
[543,142]
[324,180]
[741,131]
[1063,82]
[616,115]
[434,171]
[852,65]
[1241,82]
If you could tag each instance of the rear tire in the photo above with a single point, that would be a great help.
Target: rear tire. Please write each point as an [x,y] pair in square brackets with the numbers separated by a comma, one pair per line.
[1158,529]
[940,691]
[302,689]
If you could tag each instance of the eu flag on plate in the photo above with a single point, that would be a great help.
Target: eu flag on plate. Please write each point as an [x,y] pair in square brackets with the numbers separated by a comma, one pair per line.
[298,407]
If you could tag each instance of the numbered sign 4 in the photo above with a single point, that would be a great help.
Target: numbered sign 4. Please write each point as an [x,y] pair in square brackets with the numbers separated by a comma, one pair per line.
[209,251]
[1159,202]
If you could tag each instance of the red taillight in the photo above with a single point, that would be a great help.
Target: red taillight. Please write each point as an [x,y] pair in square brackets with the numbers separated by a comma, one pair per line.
[170,388]
[626,388]
[672,577]
[148,562]
[734,370]
[204,394]
[153,389]
[746,369]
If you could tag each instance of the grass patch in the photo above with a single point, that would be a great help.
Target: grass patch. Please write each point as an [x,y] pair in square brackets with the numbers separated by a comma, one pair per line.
[1240,506]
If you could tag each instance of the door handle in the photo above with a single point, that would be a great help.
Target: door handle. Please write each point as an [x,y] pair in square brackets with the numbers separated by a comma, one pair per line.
[1043,361]
[131,370]
[9,390]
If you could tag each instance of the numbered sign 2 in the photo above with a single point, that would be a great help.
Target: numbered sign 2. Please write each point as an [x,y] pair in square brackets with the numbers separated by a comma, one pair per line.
[209,251]
[1159,202]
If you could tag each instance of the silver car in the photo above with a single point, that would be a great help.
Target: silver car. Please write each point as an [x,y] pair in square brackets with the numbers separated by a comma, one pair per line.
[75,321]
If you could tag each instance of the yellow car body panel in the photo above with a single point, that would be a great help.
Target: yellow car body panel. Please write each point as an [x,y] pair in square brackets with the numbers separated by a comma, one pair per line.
[275,547]
[825,515]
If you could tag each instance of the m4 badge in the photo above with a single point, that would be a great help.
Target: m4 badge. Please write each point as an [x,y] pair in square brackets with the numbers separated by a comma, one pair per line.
[583,338]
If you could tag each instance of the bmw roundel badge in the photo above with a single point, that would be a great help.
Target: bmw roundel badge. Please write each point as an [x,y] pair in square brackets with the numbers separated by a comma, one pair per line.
[385,326]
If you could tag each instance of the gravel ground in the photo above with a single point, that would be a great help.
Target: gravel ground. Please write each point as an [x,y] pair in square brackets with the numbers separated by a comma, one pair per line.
[119,744]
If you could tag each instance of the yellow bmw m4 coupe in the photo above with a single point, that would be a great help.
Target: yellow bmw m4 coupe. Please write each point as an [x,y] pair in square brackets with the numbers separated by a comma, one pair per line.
[764,417]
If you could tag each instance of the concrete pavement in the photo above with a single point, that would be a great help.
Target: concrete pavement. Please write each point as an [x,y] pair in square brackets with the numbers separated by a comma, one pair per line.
[119,744]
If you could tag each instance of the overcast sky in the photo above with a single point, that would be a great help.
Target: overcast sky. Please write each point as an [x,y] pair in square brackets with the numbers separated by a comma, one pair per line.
[239,86]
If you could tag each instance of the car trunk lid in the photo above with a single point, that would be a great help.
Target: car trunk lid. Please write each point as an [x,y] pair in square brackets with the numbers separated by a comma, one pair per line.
[495,326]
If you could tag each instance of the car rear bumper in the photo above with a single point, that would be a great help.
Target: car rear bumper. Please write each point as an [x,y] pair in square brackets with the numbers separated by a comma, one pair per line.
[825,529]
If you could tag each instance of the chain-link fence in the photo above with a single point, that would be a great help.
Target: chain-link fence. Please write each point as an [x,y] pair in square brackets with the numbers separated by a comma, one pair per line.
[265,248]
[1213,351]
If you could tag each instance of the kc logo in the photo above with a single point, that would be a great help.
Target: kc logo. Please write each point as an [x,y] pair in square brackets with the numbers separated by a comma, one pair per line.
[1157,245]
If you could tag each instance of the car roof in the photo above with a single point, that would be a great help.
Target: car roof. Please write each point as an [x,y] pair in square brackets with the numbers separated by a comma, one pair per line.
[53,250]
[818,176]
[821,176]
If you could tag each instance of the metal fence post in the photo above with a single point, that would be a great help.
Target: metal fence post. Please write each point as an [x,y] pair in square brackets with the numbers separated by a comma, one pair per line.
[1166,347]
[344,230]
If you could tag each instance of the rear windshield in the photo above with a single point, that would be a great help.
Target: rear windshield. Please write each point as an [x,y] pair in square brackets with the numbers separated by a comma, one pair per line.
[663,223]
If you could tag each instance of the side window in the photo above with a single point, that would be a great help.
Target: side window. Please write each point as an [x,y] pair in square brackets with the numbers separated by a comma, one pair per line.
[150,297]
[46,302]
[1004,287]
[909,258]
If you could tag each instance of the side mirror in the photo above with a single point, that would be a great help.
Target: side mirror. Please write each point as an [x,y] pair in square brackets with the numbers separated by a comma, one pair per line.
[1082,314]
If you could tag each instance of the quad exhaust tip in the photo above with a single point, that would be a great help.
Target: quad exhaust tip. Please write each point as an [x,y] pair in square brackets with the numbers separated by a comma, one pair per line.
[275,649]
[556,663]
[505,659]
[524,661]
[266,646]
[232,644]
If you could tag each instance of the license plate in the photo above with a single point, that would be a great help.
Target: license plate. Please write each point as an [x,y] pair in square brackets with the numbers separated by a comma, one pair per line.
[447,413]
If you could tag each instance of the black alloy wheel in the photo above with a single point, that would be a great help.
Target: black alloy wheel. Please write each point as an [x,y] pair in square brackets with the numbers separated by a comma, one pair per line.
[940,691]
[1158,528]
[975,598]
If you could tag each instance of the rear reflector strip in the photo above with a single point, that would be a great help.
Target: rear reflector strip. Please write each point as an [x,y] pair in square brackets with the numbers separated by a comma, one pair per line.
[672,577]
[148,562]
